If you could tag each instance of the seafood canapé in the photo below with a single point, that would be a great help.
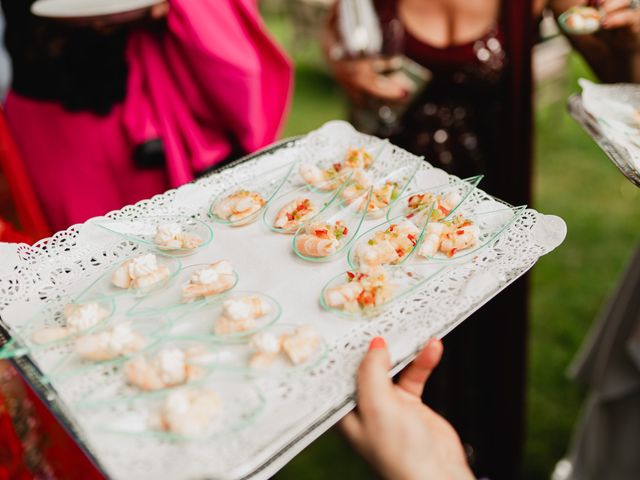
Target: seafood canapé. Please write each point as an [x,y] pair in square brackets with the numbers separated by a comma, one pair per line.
[332,177]
[361,291]
[321,239]
[449,237]
[166,368]
[299,345]
[240,314]
[389,246]
[214,279]
[581,20]
[294,213]
[115,342]
[419,205]
[170,236]
[140,273]
[239,207]
[187,411]
[78,318]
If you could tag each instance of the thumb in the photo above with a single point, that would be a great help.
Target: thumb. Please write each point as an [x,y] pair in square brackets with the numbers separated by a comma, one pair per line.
[374,385]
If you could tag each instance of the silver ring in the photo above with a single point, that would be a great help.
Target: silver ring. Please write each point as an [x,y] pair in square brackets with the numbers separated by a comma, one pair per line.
[634,4]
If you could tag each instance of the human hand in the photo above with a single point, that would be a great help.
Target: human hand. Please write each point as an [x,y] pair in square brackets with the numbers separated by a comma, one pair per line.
[360,80]
[621,14]
[403,438]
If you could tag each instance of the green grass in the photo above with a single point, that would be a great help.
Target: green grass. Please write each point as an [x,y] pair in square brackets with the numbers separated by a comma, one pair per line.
[573,179]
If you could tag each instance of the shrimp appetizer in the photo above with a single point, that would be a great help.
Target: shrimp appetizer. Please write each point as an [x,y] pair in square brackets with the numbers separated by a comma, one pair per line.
[167,368]
[140,272]
[361,291]
[449,237]
[78,318]
[358,158]
[382,197]
[359,184]
[169,236]
[323,179]
[321,239]
[581,20]
[388,247]
[294,214]
[212,280]
[187,412]
[299,345]
[239,206]
[240,314]
[418,205]
[115,342]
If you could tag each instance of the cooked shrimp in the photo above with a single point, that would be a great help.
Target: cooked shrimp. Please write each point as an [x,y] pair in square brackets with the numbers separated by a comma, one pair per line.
[382,197]
[240,314]
[78,317]
[294,214]
[115,342]
[388,247]
[301,344]
[358,158]
[431,239]
[321,239]
[327,179]
[239,206]
[188,411]
[212,280]
[358,185]
[166,369]
[169,236]
[51,334]
[361,291]
[267,347]
[140,272]
[459,238]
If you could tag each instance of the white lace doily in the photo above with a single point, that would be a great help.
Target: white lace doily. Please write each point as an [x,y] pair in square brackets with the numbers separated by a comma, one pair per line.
[298,408]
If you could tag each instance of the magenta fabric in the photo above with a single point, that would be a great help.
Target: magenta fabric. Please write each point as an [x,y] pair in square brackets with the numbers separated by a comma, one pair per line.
[213,79]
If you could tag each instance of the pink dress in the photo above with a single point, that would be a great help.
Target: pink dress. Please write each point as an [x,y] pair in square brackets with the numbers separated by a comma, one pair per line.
[212,80]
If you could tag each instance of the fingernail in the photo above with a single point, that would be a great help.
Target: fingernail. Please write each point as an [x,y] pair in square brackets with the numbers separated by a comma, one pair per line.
[377,343]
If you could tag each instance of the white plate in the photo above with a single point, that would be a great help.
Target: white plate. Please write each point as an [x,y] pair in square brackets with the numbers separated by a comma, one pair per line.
[87,8]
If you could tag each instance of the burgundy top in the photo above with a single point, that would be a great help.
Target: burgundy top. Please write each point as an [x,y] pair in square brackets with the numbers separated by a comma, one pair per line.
[453,122]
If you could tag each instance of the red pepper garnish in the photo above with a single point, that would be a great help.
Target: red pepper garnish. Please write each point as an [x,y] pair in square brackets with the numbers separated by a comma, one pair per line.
[410,215]
[400,252]
[466,224]
[345,231]
[290,217]
[302,206]
[322,233]
[460,232]
[367,298]
[337,167]
[412,238]
[452,252]
[351,275]
[444,211]
[392,227]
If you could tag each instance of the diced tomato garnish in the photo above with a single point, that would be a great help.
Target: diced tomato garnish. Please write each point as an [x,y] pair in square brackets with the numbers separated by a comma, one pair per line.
[322,233]
[452,252]
[290,217]
[400,252]
[345,231]
[444,211]
[337,167]
[460,232]
[392,227]
[412,238]
[367,298]
[351,275]
[410,215]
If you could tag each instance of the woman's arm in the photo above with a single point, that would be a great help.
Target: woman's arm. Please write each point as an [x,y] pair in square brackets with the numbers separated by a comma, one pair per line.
[614,52]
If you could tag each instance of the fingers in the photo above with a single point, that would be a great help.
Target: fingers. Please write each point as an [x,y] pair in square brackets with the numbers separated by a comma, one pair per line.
[622,18]
[375,389]
[611,6]
[414,377]
[385,88]
[351,427]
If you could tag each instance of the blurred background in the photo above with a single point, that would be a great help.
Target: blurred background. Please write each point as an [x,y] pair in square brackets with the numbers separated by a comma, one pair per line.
[573,179]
